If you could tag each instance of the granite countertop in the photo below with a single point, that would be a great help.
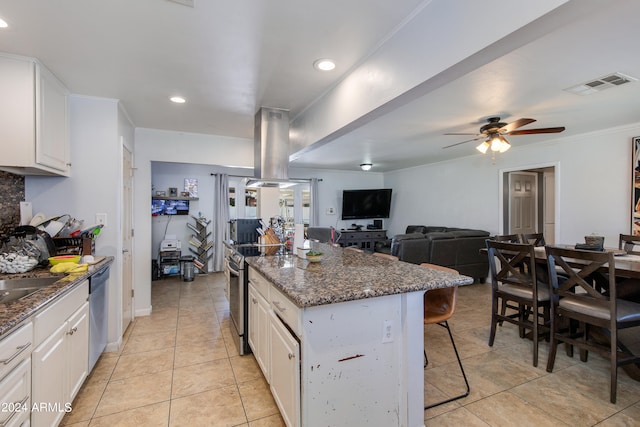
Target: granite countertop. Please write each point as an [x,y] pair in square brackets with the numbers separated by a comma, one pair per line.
[15,312]
[348,275]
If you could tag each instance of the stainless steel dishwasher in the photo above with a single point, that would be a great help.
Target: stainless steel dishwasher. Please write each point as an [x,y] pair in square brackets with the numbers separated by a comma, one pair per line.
[98,286]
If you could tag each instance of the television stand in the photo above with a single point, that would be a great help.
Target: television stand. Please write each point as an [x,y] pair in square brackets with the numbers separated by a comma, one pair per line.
[362,239]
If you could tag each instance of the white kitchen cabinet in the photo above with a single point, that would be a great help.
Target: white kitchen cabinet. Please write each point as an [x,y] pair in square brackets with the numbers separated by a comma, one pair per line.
[60,359]
[15,391]
[285,371]
[15,376]
[34,119]
[77,350]
[49,377]
[259,329]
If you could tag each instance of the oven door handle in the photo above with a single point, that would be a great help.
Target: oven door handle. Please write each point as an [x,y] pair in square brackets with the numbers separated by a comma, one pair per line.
[231,270]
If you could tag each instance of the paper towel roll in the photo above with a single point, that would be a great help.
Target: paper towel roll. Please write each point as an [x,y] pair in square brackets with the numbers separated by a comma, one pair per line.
[298,236]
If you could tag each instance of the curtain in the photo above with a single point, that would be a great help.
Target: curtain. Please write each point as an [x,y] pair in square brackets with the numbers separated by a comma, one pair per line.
[220,219]
[314,213]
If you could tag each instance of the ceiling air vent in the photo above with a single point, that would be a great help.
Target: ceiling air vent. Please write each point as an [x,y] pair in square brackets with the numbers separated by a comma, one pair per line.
[600,84]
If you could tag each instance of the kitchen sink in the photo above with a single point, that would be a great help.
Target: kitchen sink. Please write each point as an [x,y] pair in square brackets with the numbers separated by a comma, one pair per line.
[15,289]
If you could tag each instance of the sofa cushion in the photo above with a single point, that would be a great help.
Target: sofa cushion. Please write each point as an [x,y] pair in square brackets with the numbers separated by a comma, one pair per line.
[439,235]
[433,228]
[415,229]
[409,236]
[469,233]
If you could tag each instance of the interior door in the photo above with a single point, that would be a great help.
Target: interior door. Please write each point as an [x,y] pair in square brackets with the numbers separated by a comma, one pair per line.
[523,203]
[127,234]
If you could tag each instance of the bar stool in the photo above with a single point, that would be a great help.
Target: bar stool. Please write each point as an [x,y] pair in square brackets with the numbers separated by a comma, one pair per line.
[439,305]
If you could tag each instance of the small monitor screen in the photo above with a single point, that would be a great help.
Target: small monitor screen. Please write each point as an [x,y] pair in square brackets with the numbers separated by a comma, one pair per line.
[169,207]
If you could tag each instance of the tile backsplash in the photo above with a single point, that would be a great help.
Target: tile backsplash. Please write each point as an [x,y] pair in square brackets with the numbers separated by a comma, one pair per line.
[11,194]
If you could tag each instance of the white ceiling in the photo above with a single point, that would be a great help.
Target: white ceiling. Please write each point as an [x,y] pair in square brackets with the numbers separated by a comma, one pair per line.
[230,58]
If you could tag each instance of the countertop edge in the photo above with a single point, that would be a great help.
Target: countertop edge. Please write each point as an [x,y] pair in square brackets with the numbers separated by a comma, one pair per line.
[302,298]
[14,314]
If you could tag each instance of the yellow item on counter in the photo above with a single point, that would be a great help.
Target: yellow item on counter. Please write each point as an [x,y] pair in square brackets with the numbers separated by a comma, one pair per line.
[69,268]
[79,268]
[63,267]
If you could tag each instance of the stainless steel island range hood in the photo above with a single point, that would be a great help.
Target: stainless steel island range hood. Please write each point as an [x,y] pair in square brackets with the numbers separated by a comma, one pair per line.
[271,149]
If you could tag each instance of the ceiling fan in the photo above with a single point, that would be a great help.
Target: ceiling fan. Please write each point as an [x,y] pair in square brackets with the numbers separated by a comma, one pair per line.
[494,131]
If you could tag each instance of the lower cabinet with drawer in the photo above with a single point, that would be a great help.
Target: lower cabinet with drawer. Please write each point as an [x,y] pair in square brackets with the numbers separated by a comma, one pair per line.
[259,328]
[275,346]
[15,377]
[285,370]
[61,356]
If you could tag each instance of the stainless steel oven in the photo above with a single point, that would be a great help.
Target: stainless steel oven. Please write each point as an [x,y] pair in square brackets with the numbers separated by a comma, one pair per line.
[237,290]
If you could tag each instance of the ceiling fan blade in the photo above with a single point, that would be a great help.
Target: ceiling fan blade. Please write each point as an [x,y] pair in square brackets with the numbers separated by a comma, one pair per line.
[515,125]
[534,131]
[468,140]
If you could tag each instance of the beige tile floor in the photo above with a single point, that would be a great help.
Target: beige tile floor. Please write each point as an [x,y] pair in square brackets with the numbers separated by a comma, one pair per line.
[180,366]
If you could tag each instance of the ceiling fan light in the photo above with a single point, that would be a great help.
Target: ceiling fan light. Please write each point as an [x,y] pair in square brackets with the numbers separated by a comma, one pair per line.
[483,147]
[504,146]
[496,143]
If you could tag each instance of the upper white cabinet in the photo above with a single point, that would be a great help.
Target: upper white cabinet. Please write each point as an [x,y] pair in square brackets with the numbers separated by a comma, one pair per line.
[34,119]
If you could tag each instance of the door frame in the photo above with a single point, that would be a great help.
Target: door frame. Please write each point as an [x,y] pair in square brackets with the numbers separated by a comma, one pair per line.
[503,188]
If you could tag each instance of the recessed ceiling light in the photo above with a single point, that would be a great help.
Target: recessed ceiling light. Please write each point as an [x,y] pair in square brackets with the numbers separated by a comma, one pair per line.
[324,64]
[3,23]
[178,99]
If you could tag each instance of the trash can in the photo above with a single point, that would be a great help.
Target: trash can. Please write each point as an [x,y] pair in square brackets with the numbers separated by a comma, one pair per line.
[188,269]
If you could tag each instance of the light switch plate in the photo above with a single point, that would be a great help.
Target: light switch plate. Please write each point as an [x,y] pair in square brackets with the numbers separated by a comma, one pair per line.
[26,213]
[101,218]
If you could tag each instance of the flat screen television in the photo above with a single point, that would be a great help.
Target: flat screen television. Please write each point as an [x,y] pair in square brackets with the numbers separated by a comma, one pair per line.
[364,204]
[169,207]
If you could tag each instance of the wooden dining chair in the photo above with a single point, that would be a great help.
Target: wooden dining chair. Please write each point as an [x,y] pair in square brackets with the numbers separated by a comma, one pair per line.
[536,239]
[581,302]
[518,290]
[629,288]
[630,244]
[513,238]
[439,306]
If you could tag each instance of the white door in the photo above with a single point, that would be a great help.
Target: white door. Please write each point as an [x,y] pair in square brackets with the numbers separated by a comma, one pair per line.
[523,203]
[127,231]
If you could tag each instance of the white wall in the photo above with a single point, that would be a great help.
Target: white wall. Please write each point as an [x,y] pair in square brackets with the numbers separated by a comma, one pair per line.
[593,179]
[95,185]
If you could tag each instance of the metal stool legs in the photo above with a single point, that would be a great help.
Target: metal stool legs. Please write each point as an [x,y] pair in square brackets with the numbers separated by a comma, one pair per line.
[445,324]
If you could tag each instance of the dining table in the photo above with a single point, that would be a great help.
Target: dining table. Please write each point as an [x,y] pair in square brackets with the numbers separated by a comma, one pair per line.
[627,265]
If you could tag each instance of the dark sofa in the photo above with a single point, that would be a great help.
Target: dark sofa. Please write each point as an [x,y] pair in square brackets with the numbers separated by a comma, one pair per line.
[458,248]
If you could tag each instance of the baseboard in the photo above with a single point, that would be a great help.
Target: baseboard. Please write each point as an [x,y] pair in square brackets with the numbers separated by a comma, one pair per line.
[113,346]
[144,312]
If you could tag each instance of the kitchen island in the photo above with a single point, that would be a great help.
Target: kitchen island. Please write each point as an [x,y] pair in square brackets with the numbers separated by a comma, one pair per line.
[341,341]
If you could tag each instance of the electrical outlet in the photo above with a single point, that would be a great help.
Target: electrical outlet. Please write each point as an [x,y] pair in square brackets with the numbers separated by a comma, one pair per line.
[101,218]
[387,331]
[331,211]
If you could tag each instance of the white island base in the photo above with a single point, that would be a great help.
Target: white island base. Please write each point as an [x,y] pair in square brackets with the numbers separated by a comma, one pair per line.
[362,363]
[353,363]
